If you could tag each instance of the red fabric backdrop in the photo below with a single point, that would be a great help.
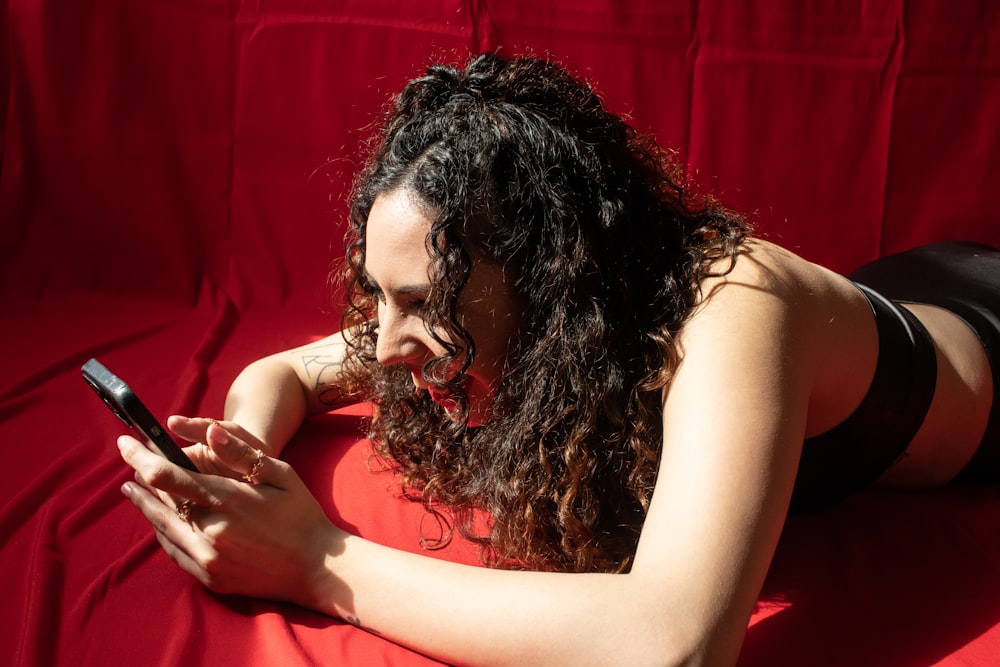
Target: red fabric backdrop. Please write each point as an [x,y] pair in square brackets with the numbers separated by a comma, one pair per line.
[172,183]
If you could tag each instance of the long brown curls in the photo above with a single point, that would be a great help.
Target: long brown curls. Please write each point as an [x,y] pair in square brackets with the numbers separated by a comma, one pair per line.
[520,165]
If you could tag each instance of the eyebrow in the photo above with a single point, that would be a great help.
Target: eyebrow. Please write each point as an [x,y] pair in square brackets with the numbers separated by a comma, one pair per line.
[405,290]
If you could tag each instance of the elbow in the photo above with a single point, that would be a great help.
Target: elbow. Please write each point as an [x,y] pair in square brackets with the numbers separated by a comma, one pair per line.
[695,658]
[685,647]
[680,656]
[705,651]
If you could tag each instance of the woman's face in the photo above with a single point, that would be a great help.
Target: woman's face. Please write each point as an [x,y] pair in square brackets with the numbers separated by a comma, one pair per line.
[398,264]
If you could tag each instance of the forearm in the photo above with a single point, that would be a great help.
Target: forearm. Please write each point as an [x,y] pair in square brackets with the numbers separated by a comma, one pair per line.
[268,400]
[479,616]
[272,396]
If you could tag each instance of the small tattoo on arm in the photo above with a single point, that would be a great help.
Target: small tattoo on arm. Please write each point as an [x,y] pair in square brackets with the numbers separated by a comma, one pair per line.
[330,396]
[322,365]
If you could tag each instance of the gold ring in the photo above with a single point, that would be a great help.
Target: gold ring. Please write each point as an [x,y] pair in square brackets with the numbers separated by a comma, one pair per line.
[213,420]
[253,477]
[184,510]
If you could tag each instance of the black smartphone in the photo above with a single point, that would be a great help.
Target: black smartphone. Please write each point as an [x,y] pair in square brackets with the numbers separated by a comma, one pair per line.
[123,402]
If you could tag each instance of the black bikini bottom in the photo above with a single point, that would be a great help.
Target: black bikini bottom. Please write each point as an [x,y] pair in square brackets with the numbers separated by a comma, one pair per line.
[963,278]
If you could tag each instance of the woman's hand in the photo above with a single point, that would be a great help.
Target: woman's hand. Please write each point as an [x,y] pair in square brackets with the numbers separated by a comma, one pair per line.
[202,430]
[265,538]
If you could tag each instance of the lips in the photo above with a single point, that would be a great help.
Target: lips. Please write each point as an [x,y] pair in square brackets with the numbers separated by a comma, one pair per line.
[440,396]
[444,399]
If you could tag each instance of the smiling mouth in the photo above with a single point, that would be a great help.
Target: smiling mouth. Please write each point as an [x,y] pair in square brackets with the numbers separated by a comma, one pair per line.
[443,398]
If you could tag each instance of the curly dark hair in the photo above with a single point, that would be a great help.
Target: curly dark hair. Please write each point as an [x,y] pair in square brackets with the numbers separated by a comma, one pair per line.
[518,163]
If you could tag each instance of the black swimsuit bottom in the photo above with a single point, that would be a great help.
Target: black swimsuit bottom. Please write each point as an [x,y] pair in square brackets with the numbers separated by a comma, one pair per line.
[963,278]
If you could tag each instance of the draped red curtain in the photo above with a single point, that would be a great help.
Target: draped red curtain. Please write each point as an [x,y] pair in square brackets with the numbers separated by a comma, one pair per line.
[173,176]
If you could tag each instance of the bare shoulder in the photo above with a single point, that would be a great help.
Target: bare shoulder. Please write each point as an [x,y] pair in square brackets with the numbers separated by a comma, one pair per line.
[765,266]
[764,281]
[819,302]
[761,300]
[816,315]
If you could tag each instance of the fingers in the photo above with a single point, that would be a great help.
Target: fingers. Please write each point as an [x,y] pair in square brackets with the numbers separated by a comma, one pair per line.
[192,429]
[174,500]
[233,536]
[152,469]
[177,535]
[249,462]
[196,430]
[160,514]
[157,474]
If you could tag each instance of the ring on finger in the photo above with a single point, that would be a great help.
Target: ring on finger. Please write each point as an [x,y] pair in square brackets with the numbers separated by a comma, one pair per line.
[184,510]
[253,477]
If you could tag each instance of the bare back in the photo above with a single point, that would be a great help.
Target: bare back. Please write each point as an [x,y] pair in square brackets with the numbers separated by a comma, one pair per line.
[838,321]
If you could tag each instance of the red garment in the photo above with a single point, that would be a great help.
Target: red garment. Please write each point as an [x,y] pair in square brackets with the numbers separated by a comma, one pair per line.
[172,186]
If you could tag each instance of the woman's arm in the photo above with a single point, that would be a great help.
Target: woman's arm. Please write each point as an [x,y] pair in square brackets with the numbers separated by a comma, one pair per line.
[270,398]
[272,541]
[734,420]
[733,425]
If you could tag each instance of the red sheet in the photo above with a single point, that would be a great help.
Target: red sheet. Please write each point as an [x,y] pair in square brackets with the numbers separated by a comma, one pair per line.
[172,182]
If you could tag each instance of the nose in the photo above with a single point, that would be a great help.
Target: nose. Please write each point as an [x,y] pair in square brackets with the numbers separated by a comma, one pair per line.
[400,337]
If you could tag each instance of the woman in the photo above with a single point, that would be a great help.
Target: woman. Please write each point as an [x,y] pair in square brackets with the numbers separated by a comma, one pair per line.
[554,330]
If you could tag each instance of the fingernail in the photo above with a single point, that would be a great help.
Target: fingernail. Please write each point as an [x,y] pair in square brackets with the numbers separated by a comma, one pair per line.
[127,490]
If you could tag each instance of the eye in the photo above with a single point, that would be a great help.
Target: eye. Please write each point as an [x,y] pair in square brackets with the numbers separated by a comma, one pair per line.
[370,288]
